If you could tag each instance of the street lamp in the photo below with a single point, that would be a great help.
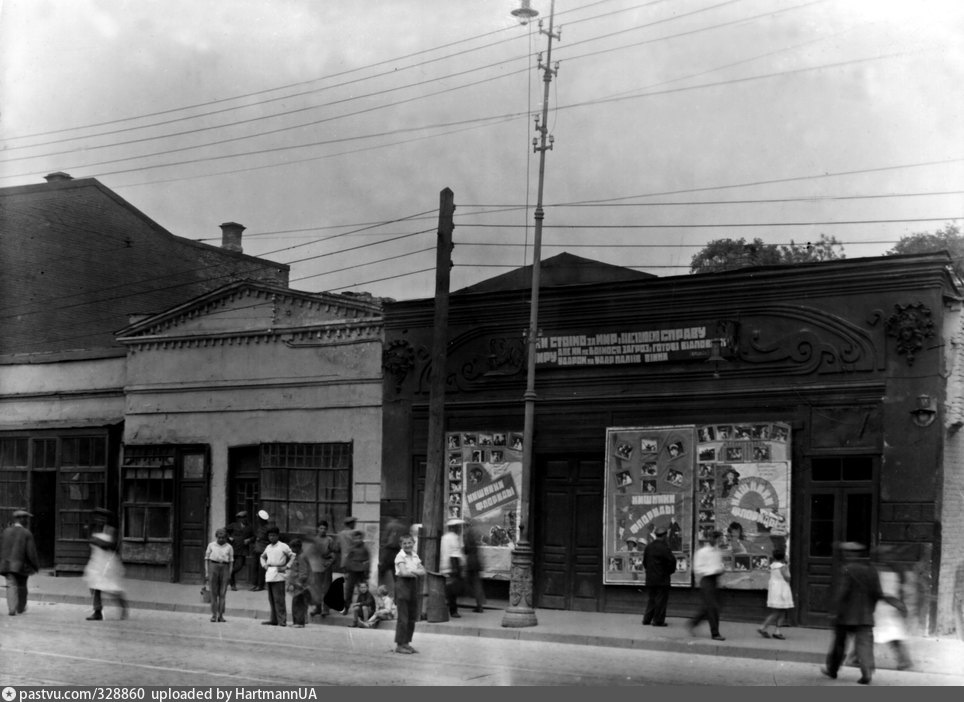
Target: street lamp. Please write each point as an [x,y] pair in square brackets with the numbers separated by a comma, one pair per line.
[520,612]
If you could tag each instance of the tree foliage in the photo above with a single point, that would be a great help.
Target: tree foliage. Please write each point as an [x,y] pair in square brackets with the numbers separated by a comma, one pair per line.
[947,239]
[729,254]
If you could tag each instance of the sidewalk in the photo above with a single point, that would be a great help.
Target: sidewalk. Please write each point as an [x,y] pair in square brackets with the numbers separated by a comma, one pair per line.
[930,654]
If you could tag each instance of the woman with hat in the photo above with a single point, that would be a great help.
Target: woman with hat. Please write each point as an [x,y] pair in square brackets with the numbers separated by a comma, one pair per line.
[104,571]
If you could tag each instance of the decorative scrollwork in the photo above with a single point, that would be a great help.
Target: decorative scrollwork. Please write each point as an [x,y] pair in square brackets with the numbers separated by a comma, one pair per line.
[398,358]
[910,325]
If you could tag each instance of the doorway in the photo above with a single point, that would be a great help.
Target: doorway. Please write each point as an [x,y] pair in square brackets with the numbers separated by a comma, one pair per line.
[568,538]
[43,524]
[839,505]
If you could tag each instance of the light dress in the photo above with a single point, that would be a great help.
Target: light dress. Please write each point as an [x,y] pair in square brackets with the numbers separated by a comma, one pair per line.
[779,595]
[888,621]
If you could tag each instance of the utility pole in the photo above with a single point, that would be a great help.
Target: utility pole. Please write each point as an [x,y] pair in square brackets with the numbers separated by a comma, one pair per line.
[520,612]
[432,508]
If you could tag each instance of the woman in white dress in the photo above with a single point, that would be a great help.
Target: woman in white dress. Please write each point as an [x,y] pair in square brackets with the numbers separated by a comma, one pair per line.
[779,596]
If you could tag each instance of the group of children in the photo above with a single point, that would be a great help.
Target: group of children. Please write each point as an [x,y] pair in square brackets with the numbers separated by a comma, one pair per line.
[287,569]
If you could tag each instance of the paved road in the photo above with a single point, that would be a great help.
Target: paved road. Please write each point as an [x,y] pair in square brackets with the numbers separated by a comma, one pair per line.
[54,645]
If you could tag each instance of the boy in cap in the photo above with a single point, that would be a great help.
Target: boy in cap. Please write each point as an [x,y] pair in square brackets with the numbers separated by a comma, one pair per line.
[18,560]
[660,564]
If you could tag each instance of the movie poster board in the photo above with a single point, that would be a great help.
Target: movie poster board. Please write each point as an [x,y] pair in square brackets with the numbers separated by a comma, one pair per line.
[649,484]
[484,487]
[743,490]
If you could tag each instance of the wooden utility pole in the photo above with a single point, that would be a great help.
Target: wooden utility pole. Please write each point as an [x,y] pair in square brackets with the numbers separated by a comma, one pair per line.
[435,469]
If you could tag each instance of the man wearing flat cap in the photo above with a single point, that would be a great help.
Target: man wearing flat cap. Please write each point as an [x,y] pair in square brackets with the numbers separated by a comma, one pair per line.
[18,560]
[660,564]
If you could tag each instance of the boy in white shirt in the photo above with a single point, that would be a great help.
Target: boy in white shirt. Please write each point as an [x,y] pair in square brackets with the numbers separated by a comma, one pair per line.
[275,559]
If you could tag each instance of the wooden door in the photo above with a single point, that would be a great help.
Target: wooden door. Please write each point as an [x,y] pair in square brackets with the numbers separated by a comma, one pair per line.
[192,516]
[569,518]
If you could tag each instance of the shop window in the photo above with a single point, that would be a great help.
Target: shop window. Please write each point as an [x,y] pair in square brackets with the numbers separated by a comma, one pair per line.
[147,485]
[846,469]
[83,483]
[45,454]
[13,476]
[303,483]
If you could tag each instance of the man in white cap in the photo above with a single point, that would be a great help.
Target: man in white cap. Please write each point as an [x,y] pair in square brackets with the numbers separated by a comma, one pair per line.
[451,560]
[18,560]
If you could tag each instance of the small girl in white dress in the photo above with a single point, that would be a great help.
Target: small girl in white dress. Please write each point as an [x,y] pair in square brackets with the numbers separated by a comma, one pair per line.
[779,596]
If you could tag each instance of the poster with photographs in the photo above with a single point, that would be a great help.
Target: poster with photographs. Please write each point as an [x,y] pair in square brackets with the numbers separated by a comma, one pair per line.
[649,485]
[484,487]
[743,491]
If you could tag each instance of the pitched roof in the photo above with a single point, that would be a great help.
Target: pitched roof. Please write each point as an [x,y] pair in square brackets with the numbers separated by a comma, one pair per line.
[557,271]
[78,259]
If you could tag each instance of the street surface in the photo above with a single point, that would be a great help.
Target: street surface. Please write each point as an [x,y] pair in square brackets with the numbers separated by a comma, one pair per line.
[52,644]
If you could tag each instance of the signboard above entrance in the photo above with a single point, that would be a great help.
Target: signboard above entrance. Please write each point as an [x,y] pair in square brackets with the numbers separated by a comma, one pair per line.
[657,345]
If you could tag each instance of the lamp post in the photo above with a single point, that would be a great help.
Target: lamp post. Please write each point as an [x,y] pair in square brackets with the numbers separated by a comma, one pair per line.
[520,612]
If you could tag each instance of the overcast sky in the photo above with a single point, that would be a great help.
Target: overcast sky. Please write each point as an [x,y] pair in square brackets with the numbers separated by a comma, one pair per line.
[328,129]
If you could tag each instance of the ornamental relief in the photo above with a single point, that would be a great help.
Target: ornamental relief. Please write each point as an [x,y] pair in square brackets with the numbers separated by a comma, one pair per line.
[475,358]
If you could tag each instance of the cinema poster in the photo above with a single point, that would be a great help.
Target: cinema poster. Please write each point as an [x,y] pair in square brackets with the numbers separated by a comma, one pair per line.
[649,485]
[743,491]
[693,480]
[484,487]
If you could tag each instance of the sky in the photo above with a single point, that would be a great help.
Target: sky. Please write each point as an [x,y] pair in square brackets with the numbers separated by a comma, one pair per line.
[329,129]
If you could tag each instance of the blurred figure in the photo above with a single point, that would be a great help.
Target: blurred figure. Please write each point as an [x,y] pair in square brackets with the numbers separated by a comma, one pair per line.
[343,542]
[474,566]
[18,560]
[451,558]
[319,550]
[241,536]
[104,571]
[707,567]
[218,564]
[357,567]
[779,595]
[889,619]
[260,543]
[858,590]
[660,564]
[386,554]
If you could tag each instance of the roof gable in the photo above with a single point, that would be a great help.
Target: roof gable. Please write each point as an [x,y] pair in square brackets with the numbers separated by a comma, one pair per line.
[557,271]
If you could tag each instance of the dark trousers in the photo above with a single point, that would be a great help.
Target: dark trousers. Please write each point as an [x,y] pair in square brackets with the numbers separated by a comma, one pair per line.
[863,647]
[453,588]
[473,584]
[218,577]
[239,563]
[406,601]
[276,602]
[97,601]
[16,593]
[299,607]
[656,605]
[352,578]
[709,608]
[318,585]
[256,573]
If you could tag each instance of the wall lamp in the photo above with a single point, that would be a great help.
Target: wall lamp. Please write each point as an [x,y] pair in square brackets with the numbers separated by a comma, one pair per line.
[924,413]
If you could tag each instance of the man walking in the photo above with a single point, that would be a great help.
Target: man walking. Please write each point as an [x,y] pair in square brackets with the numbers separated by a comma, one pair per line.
[858,589]
[659,563]
[18,560]
[707,566]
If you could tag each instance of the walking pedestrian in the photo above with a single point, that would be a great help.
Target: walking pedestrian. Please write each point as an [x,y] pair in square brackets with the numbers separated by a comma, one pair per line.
[889,619]
[659,563]
[707,567]
[275,559]
[260,543]
[218,565]
[858,590]
[18,560]
[473,566]
[451,559]
[386,554]
[408,569]
[104,571]
[241,538]
[343,542]
[779,595]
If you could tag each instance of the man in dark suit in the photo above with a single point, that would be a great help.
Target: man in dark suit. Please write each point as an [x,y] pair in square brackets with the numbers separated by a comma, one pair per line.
[18,560]
[858,589]
[660,564]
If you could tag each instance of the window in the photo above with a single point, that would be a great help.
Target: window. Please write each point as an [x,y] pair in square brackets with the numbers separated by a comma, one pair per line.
[148,493]
[13,476]
[303,483]
[847,469]
[82,483]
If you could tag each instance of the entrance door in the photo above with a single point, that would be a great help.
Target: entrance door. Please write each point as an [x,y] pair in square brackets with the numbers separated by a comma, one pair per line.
[568,566]
[43,491]
[192,536]
[839,506]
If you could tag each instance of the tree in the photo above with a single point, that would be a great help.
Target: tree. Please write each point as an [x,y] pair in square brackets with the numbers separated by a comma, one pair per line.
[729,254]
[947,239]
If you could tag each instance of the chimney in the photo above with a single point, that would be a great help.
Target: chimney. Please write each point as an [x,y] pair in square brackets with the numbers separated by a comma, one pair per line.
[58,176]
[231,236]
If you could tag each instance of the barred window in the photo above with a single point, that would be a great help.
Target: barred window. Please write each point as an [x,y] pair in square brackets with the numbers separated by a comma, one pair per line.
[304,483]
[148,492]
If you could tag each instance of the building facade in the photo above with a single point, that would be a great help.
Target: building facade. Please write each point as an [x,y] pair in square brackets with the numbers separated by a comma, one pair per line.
[789,407]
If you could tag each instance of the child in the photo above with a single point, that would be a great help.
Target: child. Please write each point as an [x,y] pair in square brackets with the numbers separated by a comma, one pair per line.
[779,597]
[298,575]
[408,568]
[384,607]
[363,607]
[218,561]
